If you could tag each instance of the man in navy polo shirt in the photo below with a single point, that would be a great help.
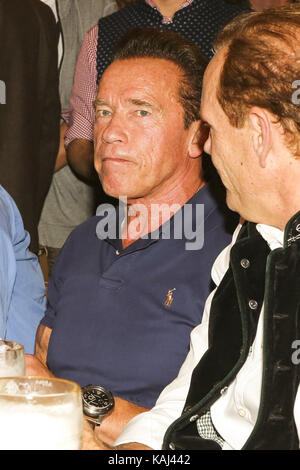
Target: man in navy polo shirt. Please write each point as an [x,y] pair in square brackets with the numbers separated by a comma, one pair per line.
[128,287]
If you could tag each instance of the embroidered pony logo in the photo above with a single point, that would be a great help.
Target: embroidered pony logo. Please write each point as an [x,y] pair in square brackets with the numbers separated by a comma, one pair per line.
[169,298]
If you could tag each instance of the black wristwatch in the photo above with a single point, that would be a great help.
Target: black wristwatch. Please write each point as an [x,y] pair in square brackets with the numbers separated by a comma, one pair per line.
[97,403]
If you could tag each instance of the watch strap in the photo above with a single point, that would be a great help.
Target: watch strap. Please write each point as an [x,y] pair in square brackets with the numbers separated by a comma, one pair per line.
[95,421]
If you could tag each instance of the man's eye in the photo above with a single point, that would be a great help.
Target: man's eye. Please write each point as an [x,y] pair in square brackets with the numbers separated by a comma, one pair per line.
[142,113]
[103,112]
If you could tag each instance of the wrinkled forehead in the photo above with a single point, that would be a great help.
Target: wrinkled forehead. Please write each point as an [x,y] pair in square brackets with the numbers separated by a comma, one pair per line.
[141,72]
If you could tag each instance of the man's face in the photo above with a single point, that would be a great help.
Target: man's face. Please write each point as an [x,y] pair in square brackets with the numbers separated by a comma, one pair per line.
[141,145]
[231,149]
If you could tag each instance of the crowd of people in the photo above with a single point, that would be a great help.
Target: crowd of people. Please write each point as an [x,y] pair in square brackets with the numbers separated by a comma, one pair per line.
[149,215]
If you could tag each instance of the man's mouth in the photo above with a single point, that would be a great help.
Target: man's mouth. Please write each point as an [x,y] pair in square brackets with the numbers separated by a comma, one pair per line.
[116,160]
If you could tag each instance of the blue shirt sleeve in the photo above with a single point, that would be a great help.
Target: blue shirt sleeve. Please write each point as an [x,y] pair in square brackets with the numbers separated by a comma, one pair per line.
[22,291]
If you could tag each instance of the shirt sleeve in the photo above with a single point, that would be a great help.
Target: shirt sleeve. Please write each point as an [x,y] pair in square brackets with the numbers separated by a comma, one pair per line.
[81,113]
[62,262]
[54,288]
[7,265]
[22,294]
[149,428]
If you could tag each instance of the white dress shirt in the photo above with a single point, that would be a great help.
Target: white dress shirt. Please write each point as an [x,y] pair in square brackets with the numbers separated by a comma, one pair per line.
[235,412]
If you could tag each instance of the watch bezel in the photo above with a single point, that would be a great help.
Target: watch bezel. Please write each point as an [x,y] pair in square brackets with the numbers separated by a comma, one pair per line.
[95,411]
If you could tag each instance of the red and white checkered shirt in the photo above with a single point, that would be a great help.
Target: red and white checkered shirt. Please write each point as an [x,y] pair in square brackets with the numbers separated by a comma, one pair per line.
[81,115]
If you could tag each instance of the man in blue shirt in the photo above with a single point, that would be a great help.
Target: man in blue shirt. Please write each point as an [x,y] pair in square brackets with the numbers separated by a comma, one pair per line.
[128,288]
[22,292]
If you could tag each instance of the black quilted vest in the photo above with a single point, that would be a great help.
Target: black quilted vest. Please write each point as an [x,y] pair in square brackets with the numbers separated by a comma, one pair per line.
[272,278]
[199,22]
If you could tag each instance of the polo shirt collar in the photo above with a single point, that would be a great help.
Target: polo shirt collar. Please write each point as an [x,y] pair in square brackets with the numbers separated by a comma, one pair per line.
[114,217]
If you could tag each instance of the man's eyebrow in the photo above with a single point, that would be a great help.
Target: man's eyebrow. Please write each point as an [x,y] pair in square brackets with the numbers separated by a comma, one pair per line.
[98,102]
[134,101]
[138,102]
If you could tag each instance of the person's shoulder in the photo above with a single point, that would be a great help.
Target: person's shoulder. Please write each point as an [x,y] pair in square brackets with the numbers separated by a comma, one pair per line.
[7,204]
[96,9]
[81,242]
[85,229]
[10,217]
[40,7]
[123,11]
[41,14]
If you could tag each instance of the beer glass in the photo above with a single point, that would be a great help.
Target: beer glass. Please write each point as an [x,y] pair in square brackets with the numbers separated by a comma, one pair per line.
[12,359]
[38,413]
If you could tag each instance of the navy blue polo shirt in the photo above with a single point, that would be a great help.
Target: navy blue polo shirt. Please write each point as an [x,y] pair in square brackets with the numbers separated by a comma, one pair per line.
[122,318]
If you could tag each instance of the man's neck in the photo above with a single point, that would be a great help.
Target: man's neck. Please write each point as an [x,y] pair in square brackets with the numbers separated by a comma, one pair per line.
[147,215]
[168,7]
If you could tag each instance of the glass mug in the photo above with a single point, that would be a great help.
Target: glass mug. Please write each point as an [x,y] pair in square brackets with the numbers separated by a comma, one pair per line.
[12,359]
[38,413]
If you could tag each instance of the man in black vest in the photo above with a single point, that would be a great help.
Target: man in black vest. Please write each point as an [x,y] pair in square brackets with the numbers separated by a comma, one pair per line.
[239,385]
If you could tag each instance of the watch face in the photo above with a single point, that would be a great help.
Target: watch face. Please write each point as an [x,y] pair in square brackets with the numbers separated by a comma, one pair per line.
[96,400]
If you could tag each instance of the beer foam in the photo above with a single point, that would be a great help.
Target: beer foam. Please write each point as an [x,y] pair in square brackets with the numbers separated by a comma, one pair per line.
[26,426]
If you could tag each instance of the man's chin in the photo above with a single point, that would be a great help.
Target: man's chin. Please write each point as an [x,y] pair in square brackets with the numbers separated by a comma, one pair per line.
[113,190]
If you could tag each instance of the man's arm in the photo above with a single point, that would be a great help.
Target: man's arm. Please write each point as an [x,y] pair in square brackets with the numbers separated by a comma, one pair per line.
[112,426]
[146,431]
[42,342]
[22,296]
[61,159]
[37,364]
[90,441]
[80,156]
[79,136]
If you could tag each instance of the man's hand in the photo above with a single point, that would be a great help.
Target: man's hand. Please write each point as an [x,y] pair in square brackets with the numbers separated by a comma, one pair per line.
[36,367]
[112,426]
[90,441]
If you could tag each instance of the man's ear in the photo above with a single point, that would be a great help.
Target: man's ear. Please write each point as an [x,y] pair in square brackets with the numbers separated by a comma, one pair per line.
[260,124]
[198,137]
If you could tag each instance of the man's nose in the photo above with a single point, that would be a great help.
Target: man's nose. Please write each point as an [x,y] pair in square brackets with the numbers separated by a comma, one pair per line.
[114,130]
